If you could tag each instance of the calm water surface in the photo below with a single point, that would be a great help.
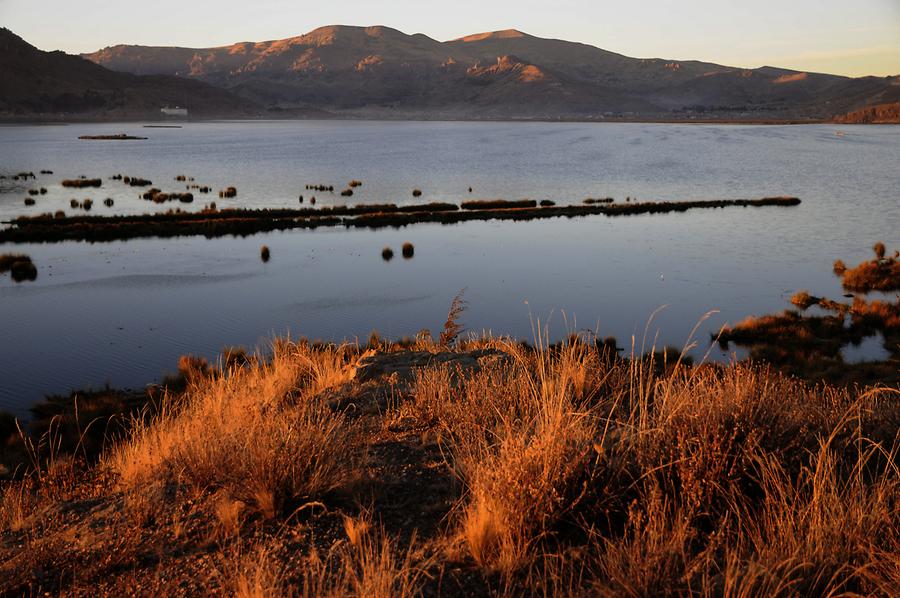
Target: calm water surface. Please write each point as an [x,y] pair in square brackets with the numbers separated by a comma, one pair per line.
[121,313]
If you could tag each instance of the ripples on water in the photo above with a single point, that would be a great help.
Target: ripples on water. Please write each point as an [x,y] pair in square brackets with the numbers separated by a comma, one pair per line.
[122,312]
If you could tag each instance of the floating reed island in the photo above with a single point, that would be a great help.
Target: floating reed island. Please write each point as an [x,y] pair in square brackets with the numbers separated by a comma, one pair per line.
[234,221]
[81,183]
[116,137]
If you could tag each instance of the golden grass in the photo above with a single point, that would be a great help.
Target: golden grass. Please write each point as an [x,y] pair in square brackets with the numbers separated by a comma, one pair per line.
[578,472]
[369,565]
[657,476]
[256,574]
[255,433]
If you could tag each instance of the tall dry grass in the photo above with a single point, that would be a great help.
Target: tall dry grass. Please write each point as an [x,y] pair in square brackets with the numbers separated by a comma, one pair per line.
[580,473]
[728,480]
[254,433]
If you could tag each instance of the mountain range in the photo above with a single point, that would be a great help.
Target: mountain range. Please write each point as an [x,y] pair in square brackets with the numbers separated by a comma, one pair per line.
[383,73]
[34,83]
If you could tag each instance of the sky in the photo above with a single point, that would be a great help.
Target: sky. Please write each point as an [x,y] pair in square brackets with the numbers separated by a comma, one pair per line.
[845,37]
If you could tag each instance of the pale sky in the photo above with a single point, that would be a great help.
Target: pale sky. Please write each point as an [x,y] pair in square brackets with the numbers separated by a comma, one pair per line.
[847,37]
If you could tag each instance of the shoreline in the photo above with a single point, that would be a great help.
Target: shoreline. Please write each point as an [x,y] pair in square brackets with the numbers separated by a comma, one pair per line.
[64,121]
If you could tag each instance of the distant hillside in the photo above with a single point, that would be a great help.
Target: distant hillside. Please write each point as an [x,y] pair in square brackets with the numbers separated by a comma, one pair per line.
[33,82]
[884,113]
[379,71]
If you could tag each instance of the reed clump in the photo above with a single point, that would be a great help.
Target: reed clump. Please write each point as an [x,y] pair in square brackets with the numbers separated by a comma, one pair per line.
[880,274]
[387,254]
[408,250]
[134,181]
[157,196]
[19,266]
[80,183]
[264,253]
[228,192]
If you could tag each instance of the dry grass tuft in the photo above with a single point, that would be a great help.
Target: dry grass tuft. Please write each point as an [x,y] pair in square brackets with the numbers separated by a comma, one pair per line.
[371,567]
[257,574]
[256,433]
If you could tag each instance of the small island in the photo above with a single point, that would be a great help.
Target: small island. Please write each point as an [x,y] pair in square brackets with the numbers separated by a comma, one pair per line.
[118,137]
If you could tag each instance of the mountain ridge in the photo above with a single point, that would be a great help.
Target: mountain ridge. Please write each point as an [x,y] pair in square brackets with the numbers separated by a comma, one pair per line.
[381,72]
[35,82]
[378,70]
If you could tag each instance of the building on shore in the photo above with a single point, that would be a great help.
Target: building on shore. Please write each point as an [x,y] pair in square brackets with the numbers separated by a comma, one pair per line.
[176,111]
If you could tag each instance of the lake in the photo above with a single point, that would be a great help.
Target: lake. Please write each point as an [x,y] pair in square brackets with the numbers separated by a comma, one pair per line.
[121,313]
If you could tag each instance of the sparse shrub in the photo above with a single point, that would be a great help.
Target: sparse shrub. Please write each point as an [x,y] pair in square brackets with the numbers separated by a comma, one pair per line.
[803,299]
[839,267]
[880,274]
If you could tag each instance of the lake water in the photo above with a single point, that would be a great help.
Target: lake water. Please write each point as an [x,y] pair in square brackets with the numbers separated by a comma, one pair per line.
[121,313]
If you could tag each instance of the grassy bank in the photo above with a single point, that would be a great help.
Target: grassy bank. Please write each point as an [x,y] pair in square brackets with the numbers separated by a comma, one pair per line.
[473,467]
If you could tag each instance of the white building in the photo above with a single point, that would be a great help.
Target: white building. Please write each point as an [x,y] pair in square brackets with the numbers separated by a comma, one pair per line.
[176,111]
